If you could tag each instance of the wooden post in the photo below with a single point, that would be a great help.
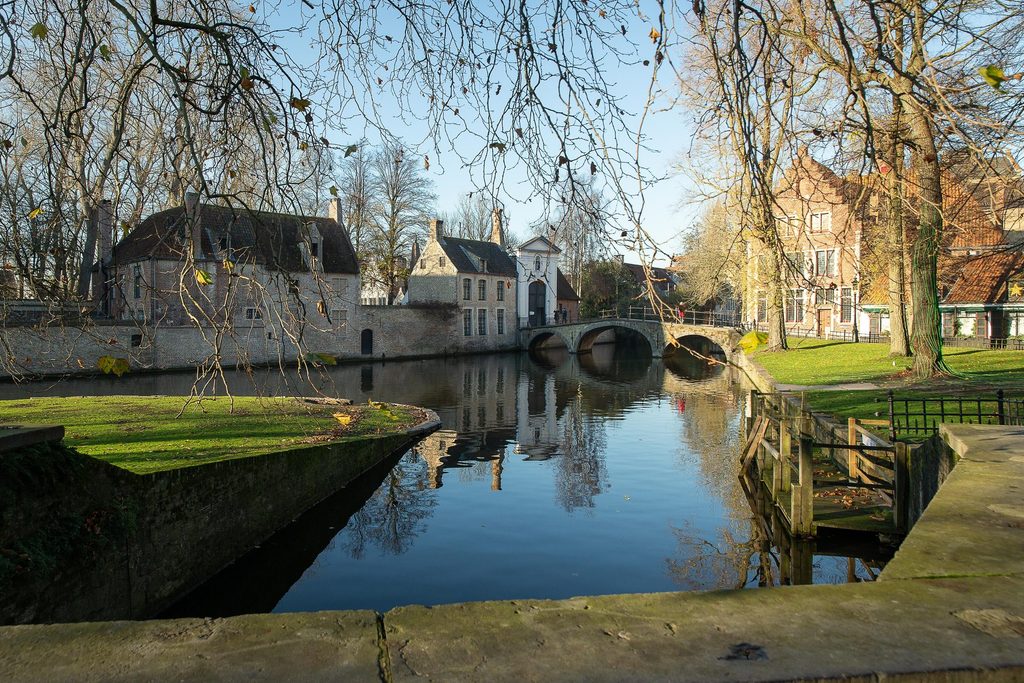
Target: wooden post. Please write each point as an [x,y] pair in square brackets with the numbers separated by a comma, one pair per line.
[901,487]
[802,504]
[802,566]
[851,454]
[780,480]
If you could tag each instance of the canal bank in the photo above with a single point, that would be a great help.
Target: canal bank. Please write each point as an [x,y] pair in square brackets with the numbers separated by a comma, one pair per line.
[948,608]
[86,540]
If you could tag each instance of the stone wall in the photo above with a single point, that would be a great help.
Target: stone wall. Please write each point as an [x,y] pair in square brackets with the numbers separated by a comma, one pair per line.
[88,541]
[397,331]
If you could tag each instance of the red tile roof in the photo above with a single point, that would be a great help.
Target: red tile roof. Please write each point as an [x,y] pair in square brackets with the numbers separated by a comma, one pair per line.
[982,280]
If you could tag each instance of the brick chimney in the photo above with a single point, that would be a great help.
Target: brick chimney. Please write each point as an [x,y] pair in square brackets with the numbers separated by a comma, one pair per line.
[334,210]
[193,219]
[497,231]
[436,229]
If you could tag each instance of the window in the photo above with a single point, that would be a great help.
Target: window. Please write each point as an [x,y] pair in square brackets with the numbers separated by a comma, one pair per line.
[137,282]
[788,226]
[483,265]
[314,249]
[536,263]
[467,322]
[466,285]
[846,305]
[762,306]
[825,262]
[339,286]
[795,306]
[825,295]
[821,221]
[136,340]
[501,291]
[482,290]
[500,322]
[1015,323]
[253,313]
[441,262]
[481,321]
[797,263]
[339,318]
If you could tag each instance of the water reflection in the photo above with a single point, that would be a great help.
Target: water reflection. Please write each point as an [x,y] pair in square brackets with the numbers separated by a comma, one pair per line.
[552,476]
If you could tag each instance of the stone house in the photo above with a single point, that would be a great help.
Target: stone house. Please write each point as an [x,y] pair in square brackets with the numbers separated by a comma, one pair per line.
[265,275]
[478,277]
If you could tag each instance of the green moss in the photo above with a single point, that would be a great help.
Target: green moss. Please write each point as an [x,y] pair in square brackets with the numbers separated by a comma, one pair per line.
[146,433]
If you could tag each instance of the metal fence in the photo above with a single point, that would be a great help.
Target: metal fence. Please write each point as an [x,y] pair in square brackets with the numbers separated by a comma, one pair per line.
[1007,343]
[922,416]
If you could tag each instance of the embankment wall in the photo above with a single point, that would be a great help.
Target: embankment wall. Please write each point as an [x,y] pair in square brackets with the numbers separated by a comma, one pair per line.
[81,540]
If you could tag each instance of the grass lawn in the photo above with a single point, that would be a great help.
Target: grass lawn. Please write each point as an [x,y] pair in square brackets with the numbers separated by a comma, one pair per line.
[144,433]
[818,362]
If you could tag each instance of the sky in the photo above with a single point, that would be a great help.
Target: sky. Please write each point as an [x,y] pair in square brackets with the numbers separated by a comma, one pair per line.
[666,214]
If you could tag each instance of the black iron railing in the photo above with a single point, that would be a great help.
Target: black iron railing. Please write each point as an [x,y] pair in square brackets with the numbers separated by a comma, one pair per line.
[922,416]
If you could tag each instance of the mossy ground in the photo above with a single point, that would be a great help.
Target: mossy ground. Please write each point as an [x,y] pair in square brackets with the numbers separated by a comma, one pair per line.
[145,434]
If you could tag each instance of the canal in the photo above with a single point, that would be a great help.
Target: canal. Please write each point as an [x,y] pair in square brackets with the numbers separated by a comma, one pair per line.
[552,476]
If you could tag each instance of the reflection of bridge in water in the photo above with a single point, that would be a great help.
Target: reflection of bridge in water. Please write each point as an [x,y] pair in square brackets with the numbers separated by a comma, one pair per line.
[580,338]
[531,412]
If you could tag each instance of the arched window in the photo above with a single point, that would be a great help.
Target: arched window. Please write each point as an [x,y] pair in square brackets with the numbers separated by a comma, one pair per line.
[536,263]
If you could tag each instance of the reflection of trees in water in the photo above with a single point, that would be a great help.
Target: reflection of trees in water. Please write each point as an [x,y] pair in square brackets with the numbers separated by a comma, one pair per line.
[581,470]
[703,564]
[396,513]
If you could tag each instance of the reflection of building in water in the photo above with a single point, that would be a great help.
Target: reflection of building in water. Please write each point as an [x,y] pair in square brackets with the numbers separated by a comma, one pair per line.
[478,428]
[536,416]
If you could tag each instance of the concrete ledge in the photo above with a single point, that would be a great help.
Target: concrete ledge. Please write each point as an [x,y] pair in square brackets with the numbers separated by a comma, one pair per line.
[322,646]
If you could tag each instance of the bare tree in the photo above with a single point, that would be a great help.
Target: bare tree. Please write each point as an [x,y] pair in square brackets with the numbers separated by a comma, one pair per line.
[403,201]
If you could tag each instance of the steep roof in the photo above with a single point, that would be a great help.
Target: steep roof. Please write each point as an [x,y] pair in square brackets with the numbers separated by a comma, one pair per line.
[471,256]
[270,239]
[661,276]
[565,292]
[983,279]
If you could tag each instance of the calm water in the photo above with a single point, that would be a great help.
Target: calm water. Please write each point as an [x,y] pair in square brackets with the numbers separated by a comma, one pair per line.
[550,477]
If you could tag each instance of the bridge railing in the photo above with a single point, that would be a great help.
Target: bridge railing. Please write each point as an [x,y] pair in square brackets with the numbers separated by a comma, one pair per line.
[679,315]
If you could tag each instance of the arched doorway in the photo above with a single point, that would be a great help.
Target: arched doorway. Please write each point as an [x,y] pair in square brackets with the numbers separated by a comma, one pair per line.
[535,304]
[366,340]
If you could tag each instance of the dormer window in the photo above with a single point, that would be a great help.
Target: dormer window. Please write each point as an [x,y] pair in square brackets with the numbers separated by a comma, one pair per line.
[483,265]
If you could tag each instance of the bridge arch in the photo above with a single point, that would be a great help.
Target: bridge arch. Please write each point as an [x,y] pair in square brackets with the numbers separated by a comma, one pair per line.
[704,345]
[617,331]
[549,338]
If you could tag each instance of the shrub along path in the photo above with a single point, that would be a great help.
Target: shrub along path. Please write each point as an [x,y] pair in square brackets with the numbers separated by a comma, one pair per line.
[145,434]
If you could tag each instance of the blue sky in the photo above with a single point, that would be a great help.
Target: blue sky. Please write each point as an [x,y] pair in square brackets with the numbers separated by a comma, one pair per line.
[666,213]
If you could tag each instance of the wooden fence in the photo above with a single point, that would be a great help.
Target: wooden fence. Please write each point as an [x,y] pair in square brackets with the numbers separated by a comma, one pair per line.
[783,439]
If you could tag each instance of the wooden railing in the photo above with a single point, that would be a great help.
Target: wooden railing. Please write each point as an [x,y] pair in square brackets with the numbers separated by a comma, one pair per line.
[783,439]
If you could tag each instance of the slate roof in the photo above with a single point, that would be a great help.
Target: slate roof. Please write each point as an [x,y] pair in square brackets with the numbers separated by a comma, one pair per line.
[662,278]
[468,256]
[983,279]
[565,292]
[270,239]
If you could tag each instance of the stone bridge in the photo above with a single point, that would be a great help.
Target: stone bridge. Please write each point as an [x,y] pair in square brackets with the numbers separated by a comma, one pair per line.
[580,337]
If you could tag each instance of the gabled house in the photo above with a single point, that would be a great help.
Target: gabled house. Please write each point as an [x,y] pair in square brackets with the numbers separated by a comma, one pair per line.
[478,277]
[537,290]
[567,300]
[212,264]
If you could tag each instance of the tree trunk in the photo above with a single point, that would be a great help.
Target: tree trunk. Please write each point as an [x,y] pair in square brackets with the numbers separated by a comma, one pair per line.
[926,338]
[899,341]
[776,309]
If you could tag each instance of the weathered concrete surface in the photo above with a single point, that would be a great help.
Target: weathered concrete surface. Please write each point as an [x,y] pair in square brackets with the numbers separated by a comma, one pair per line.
[806,632]
[321,646]
[974,526]
[967,625]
